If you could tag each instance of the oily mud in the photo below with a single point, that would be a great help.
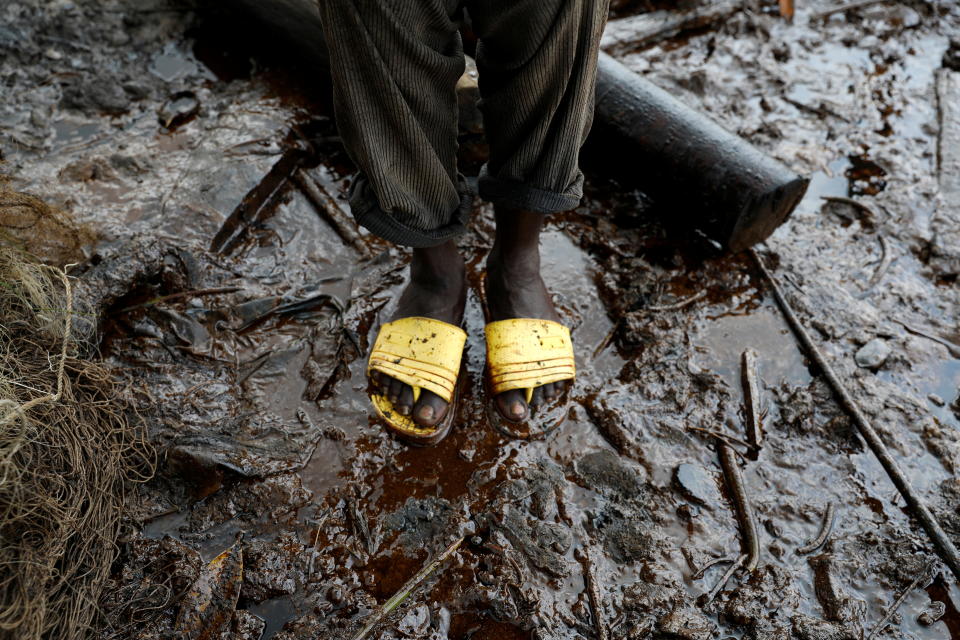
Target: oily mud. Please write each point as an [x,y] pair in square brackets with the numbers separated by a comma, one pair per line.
[242,304]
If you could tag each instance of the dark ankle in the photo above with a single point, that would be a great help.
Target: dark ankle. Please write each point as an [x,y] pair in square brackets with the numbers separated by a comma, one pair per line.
[439,267]
[516,247]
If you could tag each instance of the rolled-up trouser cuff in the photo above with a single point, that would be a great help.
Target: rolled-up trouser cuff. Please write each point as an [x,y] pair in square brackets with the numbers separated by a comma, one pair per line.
[520,195]
[366,210]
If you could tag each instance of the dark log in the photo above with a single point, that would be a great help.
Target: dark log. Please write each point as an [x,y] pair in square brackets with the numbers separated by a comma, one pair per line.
[706,177]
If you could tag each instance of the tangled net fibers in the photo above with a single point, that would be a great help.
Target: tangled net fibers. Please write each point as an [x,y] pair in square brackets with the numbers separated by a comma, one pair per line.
[69,449]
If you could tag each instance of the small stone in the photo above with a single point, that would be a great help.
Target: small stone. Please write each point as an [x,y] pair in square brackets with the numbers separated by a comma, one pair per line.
[696,484]
[934,612]
[935,399]
[873,354]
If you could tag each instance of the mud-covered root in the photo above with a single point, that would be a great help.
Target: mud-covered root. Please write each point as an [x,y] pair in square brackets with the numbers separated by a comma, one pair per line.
[68,453]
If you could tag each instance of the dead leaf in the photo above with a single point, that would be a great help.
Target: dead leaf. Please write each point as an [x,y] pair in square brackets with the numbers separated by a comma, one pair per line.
[209,605]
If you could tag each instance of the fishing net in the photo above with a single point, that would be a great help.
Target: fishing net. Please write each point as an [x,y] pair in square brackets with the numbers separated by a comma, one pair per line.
[70,444]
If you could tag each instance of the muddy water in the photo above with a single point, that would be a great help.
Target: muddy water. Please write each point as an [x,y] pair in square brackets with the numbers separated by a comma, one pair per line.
[262,411]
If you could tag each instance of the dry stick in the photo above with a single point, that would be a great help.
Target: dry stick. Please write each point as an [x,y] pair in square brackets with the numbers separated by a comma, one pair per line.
[829,517]
[899,601]
[593,593]
[748,524]
[751,398]
[948,552]
[406,590]
[329,210]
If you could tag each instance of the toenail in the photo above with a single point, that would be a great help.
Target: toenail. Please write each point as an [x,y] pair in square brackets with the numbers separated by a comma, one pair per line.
[516,409]
[404,410]
[426,413]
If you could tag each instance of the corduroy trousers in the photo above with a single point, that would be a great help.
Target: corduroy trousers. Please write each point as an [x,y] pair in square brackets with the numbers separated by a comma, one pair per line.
[395,65]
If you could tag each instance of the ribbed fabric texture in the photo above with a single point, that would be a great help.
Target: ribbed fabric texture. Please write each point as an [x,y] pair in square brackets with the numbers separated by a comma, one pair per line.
[395,64]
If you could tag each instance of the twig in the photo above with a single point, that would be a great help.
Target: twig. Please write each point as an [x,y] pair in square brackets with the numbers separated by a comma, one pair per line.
[924,575]
[954,349]
[945,547]
[857,4]
[829,517]
[182,294]
[748,524]
[721,436]
[361,528]
[607,339]
[706,567]
[751,398]
[593,593]
[678,305]
[328,209]
[886,258]
[406,590]
[725,578]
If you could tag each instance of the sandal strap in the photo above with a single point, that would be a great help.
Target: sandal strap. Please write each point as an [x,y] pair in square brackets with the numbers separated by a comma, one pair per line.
[421,352]
[525,353]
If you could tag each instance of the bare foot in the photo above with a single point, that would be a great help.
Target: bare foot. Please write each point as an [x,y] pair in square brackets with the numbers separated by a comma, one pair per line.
[514,289]
[438,290]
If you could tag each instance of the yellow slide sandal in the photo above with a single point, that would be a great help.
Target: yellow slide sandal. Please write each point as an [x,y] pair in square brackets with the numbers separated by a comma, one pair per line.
[525,353]
[425,354]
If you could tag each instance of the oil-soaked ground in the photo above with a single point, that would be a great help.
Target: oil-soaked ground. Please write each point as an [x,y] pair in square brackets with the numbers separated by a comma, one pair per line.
[246,314]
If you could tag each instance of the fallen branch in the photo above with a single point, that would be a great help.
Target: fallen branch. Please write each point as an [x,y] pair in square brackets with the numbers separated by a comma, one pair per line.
[829,517]
[593,593]
[328,209]
[924,575]
[751,398]
[748,524]
[945,547]
[406,590]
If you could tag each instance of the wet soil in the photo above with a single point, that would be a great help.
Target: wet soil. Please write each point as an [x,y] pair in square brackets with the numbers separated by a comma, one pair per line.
[244,330]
